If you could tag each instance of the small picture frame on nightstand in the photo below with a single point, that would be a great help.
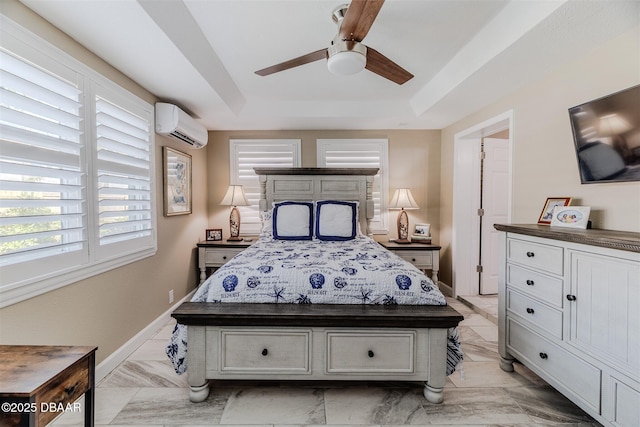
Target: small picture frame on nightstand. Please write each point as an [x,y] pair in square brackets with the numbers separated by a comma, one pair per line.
[213,234]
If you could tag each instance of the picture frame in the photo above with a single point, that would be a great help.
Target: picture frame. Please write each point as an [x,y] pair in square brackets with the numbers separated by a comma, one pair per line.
[422,230]
[571,216]
[547,211]
[213,234]
[177,182]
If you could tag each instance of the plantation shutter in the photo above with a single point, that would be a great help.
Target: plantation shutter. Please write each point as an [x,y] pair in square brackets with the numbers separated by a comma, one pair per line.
[123,164]
[361,153]
[42,172]
[249,154]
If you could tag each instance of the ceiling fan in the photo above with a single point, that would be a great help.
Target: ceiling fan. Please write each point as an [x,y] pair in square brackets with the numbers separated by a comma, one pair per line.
[347,54]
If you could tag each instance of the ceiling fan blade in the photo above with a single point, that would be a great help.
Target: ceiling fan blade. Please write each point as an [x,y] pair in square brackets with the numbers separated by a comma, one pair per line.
[295,62]
[383,66]
[359,19]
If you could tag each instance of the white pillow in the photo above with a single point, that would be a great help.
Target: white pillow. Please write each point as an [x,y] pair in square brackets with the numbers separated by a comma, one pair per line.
[293,220]
[336,220]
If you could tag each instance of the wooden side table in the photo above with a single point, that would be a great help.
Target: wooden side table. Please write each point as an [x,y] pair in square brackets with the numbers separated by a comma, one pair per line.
[38,383]
[422,255]
[216,253]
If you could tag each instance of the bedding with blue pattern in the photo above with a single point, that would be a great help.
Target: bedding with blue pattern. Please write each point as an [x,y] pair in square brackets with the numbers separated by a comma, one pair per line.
[357,271]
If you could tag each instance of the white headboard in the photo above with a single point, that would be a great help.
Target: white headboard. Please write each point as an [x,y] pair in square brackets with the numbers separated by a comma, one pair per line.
[279,184]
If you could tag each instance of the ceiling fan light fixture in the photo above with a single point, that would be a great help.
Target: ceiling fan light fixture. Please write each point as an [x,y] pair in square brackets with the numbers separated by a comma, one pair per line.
[343,61]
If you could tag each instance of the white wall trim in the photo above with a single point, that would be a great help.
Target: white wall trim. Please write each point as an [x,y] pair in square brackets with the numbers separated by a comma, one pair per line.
[120,355]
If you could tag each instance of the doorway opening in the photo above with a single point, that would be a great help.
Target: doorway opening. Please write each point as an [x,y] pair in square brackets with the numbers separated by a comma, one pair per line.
[482,185]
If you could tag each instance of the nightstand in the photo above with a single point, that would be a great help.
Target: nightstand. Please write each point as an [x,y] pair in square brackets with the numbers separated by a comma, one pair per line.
[423,256]
[214,254]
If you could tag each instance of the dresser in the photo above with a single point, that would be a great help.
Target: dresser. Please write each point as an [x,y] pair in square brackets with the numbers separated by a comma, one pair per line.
[569,309]
[39,383]
[423,256]
[215,254]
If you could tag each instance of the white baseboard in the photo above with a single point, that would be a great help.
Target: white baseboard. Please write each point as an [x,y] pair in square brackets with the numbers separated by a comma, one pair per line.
[120,355]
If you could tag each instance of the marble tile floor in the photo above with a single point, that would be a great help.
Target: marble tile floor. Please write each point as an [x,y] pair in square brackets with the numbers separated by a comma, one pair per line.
[144,391]
[486,305]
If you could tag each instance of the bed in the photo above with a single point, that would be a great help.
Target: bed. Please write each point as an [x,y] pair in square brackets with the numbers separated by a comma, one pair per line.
[316,298]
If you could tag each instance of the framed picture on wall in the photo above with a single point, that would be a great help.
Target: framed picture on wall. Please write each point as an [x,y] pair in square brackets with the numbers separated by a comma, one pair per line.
[177,182]
[547,211]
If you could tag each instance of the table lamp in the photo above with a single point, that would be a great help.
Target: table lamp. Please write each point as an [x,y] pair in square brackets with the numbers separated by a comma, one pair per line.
[234,197]
[403,199]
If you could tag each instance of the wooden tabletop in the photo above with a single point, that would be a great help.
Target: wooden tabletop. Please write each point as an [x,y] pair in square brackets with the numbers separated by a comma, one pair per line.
[24,369]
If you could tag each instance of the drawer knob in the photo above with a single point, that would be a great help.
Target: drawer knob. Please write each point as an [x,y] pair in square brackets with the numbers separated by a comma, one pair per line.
[265,351]
[413,259]
[544,356]
[530,282]
[530,254]
[529,310]
[224,257]
[370,353]
[571,297]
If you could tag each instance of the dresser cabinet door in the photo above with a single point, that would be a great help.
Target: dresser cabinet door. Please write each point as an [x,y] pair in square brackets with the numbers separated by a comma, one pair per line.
[605,314]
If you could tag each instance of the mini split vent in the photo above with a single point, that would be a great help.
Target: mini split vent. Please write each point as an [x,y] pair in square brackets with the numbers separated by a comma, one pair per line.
[172,121]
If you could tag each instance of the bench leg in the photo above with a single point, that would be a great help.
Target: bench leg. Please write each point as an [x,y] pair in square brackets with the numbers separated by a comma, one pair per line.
[199,393]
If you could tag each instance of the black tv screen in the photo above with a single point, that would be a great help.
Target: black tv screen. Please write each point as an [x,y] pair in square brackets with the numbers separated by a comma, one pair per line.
[606,133]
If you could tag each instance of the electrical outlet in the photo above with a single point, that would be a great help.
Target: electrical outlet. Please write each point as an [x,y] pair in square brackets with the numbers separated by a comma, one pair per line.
[170,296]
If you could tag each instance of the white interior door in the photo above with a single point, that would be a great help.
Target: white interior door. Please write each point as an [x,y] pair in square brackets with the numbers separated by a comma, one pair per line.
[495,202]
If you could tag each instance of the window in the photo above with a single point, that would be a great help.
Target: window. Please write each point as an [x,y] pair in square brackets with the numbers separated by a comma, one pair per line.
[246,154]
[76,170]
[362,153]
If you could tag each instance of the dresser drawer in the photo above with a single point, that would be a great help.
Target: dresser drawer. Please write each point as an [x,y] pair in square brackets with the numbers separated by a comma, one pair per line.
[543,287]
[374,353]
[542,257]
[535,313]
[421,260]
[576,376]
[218,256]
[265,351]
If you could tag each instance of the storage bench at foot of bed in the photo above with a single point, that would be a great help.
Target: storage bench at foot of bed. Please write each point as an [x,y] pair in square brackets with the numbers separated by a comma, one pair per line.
[316,342]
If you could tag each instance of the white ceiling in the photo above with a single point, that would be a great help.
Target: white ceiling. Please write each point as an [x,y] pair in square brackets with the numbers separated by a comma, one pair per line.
[202,55]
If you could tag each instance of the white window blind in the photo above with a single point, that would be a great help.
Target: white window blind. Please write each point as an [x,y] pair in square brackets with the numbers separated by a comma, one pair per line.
[246,154]
[361,153]
[76,169]
[124,177]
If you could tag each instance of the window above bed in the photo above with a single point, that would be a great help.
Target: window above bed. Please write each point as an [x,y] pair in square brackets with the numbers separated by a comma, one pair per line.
[362,153]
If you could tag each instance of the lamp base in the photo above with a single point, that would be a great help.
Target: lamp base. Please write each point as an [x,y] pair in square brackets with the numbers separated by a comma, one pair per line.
[402,241]
[235,239]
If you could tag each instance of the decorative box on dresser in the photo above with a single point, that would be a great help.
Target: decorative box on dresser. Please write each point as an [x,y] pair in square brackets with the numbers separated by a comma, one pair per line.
[569,309]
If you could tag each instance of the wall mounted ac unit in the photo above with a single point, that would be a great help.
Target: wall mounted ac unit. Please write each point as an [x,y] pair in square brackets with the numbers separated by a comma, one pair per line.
[173,122]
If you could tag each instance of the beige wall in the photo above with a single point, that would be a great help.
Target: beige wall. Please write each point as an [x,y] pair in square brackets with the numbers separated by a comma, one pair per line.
[109,309]
[414,162]
[544,162]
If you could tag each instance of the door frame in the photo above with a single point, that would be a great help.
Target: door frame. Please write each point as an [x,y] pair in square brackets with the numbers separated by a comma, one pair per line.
[465,242]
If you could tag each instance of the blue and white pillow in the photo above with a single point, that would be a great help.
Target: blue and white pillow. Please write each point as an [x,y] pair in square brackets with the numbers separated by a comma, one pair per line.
[336,220]
[293,220]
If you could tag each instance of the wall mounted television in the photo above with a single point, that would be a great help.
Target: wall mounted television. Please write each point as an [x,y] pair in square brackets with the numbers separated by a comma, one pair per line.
[606,134]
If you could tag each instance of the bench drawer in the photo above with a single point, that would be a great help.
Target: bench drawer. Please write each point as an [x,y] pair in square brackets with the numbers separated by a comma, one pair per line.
[374,353]
[265,351]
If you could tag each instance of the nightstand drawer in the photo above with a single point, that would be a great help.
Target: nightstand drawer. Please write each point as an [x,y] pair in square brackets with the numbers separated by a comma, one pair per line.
[421,260]
[216,257]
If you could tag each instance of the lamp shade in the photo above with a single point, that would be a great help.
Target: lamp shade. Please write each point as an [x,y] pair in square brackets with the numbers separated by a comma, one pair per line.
[403,199]
[234,197]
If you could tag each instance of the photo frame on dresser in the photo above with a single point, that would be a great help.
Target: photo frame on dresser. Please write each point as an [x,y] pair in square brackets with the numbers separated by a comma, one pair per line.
[547,211]
[213,234]
[571,216]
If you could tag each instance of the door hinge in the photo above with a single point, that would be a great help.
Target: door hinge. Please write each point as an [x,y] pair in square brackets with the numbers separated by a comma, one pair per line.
[478,269]
[483,155]
[480,212]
